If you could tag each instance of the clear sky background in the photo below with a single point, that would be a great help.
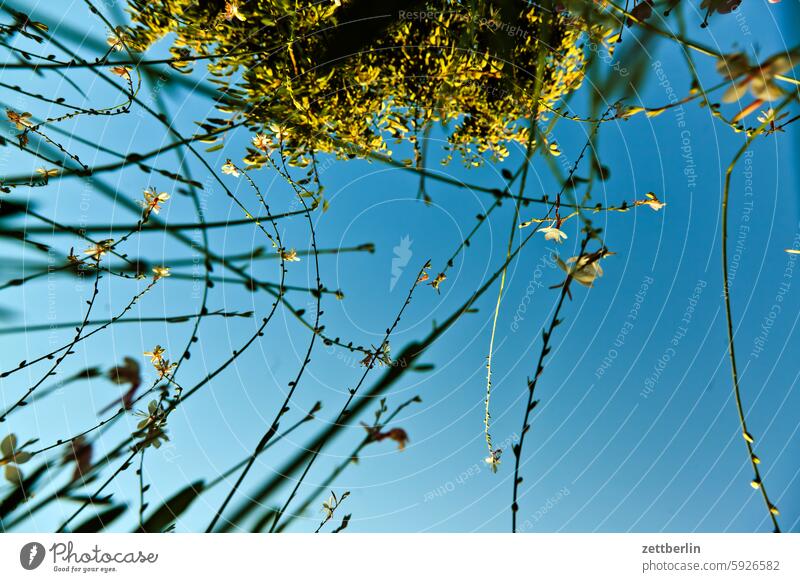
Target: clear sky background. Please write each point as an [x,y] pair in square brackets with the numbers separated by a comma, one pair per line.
[647,441]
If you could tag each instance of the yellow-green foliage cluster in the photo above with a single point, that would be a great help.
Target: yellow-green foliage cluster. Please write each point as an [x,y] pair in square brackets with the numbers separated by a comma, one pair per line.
[440,63]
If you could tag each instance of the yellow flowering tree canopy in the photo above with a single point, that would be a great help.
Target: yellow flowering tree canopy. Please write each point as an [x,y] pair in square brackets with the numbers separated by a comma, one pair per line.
[333,77]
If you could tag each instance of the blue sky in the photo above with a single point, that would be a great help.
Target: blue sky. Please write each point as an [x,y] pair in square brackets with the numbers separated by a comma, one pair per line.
[637,435]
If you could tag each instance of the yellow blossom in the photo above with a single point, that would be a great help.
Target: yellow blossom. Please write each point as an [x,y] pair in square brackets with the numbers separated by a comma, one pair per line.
[290,255]
[99,249]
[262,142]
[423,276]
[121,71]
[46,174]
[116,38]
[232,11]
[20,120]
[163,367]
[152,200]
[438,281]
[156,354]
[160,273]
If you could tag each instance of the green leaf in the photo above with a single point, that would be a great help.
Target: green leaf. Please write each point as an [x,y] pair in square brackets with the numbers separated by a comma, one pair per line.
[21,457]
[100,521]
[264,520]
[21,493]
[345,522]
[8,445]
[171,509]
[423,367]
[13,474]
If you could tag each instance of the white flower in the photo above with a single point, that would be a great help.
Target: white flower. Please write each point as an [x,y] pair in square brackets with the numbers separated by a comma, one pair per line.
[760,79]
[289,256]
[116,38]
[262,142]
[584,269]
[493,460]
[280,132]
[652,201]
[229,168]
[772,117]
[553,233]
[767,116]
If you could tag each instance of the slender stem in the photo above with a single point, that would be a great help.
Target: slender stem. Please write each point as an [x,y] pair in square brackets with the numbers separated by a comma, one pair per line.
[746,436]
[512,231]
[165,319]
[350,459]
[224,476]
[158,227]
[530,403]
[142,505]
[353,392]
[80,336]
[273,428]
[63,527]
[67,351]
